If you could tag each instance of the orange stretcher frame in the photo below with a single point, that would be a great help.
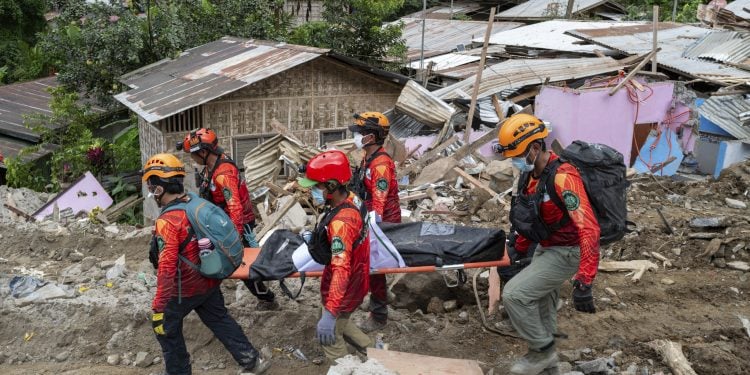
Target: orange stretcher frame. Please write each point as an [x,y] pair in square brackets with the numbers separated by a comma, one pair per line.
[243,272]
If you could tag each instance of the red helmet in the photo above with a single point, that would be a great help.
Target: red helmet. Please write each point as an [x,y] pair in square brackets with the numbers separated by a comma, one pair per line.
[326,166]
[198,140]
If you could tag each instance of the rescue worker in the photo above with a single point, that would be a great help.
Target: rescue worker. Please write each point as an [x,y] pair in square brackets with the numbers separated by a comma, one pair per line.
[568,240]
[181,289]
[341,242]
[220,183]
[375,183]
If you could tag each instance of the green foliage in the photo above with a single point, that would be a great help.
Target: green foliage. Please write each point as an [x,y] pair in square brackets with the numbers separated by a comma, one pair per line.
[355,28]
[24,174]
[413,6]
[20,20]
[92,52]
[643,10]
[126,151]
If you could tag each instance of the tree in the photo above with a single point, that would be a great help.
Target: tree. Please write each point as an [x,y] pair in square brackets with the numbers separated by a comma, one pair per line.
[92,52]
[355,28]
[20,20]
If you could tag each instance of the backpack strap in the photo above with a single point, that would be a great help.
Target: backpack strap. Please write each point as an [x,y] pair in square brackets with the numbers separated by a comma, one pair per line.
[551,190]
[286,290]
[223,159]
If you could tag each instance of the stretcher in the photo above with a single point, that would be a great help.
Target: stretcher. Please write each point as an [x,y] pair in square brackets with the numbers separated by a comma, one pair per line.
[243,271]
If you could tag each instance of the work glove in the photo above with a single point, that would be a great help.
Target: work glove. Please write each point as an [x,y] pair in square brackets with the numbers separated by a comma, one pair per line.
[583,298]
[327,329]
[250,235]
[157,322]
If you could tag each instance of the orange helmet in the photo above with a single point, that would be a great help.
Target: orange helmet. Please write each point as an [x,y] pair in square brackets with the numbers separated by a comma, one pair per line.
[517,132]
[374,121]
[199,139]
[326,166]
[165,166]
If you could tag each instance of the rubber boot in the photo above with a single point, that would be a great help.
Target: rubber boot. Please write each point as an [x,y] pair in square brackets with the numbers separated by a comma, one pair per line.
[535,362]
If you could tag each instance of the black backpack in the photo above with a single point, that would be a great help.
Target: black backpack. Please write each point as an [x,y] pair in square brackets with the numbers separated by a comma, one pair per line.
[603,172]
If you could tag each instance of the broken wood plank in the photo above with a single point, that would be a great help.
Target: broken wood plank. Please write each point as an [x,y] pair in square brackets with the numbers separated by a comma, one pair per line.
[665,222]
[703,236]
[427,157]
[276,189]
[498,109]
[441,212]
[671,353]
[712,248]
[414,197]
[638,266]
[634,71]
[417,364]
[114,213]
[469,148]
[18,212]
[469,178]
[665,260]
[527,95]
[478,77]
[277,216]
[262,211]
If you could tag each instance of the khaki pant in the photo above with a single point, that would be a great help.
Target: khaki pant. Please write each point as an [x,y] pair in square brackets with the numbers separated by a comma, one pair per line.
[531,296]
[346,332]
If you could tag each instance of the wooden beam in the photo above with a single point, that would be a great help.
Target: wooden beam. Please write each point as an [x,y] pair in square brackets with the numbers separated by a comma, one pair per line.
[414,197]
[18,212]
[279,214]
[569,9]
[498,109]
[633,72]
[478,80]
[469,148]
[527,95]
[469,178]
[655,40]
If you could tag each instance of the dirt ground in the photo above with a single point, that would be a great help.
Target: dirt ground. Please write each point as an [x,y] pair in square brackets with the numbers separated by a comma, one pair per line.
[695,302]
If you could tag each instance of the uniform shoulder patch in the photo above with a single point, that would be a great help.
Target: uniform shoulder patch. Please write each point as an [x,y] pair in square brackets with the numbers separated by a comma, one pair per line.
[571,200]
[227,194]
[160,243]
[337,245]
[382,184]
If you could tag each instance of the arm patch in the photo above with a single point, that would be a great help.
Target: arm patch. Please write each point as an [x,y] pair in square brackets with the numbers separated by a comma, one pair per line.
[571,200]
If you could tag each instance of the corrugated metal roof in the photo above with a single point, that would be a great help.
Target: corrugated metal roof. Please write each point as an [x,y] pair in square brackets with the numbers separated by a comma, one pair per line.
[447,61]
[672,38]
[423,105]
[460,72]
[207,72]
[551,35]
[721,46]
[11,147]
[546,9]
[515,74]
[262,163]
[442,36]
[725,111]
[444,12]
[741,8]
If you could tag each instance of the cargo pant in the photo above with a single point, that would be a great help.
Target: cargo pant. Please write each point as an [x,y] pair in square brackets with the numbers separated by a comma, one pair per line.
[212,312]
[530,298]
[346,332]
[378,298]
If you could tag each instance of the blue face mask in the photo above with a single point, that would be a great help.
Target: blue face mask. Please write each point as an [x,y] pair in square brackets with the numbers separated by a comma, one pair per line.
[522,165]
[317,196]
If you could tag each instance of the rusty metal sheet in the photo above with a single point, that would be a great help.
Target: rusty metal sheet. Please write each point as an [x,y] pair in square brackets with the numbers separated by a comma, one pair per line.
[545,9]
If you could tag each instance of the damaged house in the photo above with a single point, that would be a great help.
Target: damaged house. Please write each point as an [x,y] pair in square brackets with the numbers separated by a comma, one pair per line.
[250,91]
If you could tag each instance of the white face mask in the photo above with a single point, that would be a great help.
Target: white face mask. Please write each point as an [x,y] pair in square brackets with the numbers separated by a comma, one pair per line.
[358,141]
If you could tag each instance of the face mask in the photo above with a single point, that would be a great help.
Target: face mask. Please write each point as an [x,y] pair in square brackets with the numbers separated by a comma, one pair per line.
[522,165]
[358,141]
[317,196]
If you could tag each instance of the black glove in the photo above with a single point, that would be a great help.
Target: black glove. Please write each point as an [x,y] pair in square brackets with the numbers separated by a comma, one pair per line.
[583,298]
[153,253]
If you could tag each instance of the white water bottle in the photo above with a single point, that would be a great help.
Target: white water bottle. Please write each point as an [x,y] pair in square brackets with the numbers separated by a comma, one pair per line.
[205,247]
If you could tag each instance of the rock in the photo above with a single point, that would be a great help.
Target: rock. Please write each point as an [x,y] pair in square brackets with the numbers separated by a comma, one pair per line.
[596,366]
[113,359]
[106,264]
[112,229]
[739,265]
[463,317]
[3,357]
[450,306]
[87,263]
[63,356]
[47,292]
[631,370]
[667,281]
[573,373]
[116,340]
[564,367]
[440,170]
[157,360]
[709,222]
[75,256]
[733,203]
[738,247]
[569,355]
[719,263]
[611,292]
[143,359]
[500,173]
[435,306]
